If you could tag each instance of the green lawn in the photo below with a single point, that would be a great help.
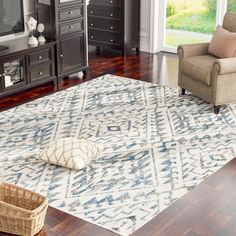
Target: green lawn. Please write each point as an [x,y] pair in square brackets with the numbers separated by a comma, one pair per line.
[200,21]
[175,41]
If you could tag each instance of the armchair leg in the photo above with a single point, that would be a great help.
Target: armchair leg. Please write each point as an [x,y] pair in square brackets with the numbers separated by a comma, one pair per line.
[216,109]
[183,91]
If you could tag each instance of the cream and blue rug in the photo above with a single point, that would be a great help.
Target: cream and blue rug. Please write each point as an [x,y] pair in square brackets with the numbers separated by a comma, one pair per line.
[157,146]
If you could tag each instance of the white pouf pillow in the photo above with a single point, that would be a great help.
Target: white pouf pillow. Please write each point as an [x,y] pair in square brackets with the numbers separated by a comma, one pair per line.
[70,153]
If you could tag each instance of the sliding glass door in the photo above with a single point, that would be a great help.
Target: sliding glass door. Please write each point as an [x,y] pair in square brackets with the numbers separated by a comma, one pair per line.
[190,21]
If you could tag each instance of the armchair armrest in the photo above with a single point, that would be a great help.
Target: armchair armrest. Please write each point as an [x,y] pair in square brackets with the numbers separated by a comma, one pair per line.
[225,65]
[191,50]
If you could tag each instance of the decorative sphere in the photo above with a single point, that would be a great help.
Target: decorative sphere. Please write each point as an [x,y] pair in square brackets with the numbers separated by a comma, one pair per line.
[40,28]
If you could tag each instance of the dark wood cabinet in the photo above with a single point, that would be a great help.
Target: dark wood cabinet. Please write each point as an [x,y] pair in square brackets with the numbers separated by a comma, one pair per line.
[114,24]
[65,52]
[23,67]
[69,48]
[65,21]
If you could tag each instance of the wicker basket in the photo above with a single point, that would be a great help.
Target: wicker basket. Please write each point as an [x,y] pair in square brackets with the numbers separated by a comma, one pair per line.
[22,212]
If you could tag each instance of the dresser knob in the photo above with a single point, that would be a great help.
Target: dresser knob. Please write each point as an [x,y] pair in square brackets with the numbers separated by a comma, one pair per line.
[39,57]
[92,37]
[71,27]
[91,24]
[91,12]
[111,27]
[112,40]
[40,73]
[71,12]
[61,55]
[111,1]
[111,14]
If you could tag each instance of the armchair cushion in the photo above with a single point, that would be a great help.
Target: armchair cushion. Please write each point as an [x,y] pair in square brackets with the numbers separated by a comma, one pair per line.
[225,65]
[199,68]
[192,50]
[223,43]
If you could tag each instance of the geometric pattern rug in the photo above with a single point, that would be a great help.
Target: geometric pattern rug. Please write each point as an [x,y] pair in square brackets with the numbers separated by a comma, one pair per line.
[156,146]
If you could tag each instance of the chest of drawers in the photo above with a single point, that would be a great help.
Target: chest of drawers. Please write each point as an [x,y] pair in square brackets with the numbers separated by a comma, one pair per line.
[114,24]
[65,22]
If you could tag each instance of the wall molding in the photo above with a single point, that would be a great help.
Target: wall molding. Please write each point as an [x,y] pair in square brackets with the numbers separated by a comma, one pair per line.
[149,26]
[145,25]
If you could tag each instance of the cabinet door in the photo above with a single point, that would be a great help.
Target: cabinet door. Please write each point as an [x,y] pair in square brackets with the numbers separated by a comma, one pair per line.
[13,73]
[72,52]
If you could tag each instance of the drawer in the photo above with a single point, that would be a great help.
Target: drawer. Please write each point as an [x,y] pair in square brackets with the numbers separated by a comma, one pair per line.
[104,24]
[106,2]
[40,56]
[105,37]
[108,12]
[40,73]
[70,13]
[71,27]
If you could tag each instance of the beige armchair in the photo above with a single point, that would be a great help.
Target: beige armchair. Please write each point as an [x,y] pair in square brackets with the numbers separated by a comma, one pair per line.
[206,76]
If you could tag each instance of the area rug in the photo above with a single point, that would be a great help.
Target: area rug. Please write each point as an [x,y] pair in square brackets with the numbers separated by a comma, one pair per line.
[157,145]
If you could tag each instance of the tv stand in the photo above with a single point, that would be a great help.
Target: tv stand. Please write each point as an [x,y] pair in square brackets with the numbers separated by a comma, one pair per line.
[2,47]
[65,52]
[23,67]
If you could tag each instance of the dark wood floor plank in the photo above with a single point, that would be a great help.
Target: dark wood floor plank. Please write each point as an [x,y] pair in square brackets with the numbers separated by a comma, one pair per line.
[58,223]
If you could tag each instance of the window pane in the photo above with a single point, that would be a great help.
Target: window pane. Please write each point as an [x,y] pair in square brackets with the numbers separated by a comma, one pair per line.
[231,6]
[190,21]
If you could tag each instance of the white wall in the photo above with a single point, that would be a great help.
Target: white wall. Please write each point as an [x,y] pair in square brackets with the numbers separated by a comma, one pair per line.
[145,26]
[149,24]
[28,6]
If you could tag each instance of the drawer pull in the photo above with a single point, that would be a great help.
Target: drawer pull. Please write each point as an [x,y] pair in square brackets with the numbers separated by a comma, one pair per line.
[39,57]
[91,24]
[71,27]
[61,55]
[111,14]
[111,1]
[92,12]
[112,40]
[41,73]
[111,27]
[70,12]
[92,37]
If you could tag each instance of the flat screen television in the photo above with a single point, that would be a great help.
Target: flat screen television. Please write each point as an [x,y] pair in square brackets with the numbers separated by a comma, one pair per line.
[11,17]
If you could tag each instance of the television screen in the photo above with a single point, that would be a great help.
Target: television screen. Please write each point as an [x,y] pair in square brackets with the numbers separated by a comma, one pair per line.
[11,17]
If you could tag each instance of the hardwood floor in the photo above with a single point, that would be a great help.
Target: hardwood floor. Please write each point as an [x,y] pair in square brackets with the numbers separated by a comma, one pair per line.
[58,223]
[159,68]
[206,211]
